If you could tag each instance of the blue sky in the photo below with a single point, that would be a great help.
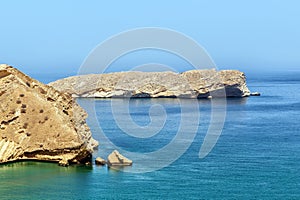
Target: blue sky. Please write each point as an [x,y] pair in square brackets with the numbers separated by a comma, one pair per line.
[50,36]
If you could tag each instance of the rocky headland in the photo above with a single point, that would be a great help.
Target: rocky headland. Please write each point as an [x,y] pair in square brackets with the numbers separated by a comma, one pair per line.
[190,84]
[37,122]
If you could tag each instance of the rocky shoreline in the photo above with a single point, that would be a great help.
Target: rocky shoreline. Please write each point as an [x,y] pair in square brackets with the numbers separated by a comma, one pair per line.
[44,123]
[190,84]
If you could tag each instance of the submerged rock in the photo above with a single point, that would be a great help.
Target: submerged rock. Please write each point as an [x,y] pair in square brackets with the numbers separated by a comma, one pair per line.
[38,122]
[116,159]
[189,84]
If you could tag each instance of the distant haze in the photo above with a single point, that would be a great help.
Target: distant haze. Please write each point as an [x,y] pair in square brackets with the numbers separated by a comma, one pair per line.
[56,36]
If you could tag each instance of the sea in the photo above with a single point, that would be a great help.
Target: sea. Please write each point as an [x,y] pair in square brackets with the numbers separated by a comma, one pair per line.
[254,152]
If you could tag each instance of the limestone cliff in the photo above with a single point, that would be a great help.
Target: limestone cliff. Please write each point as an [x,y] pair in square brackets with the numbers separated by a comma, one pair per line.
[40,123]
[190,84]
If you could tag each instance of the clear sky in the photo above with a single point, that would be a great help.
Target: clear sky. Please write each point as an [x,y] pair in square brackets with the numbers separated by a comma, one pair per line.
[54,35]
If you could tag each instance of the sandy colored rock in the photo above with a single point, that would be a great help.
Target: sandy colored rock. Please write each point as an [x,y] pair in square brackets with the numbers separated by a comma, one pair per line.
[189,84]
[40,123]
[116,159]
[63,163]
[100,161]
[255,94]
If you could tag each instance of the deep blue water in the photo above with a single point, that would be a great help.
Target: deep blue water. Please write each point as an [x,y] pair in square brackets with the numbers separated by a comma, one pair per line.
[257,155]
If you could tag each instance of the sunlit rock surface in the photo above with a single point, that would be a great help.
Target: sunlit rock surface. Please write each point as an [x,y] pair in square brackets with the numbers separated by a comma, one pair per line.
[40,123]
[189,84]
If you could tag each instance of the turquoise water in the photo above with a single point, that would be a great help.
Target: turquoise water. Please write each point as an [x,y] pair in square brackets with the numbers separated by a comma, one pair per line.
[256,157]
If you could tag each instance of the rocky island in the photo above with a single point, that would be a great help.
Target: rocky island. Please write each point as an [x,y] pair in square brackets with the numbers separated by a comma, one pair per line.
[38,122]
[190,84]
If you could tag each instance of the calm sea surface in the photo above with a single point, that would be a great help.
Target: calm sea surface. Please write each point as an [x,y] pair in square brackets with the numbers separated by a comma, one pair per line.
[257,155]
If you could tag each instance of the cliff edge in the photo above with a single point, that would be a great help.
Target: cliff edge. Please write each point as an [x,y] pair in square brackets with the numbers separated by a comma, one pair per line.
[38,122]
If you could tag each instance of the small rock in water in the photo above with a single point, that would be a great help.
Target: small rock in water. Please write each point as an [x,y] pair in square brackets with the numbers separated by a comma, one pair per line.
[100,161]
[255,94]
[63,163]
[116,159]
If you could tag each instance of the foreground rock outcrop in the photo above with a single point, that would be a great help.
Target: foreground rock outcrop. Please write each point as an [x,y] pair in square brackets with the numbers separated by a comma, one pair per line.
[116,159]
[38,122]
[189,84]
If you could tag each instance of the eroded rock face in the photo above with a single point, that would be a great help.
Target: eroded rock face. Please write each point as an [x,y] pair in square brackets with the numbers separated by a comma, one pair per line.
[190,84]
[116,159]
[40,123]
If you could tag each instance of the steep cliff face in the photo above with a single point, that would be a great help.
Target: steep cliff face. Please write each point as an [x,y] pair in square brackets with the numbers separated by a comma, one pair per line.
[40,123]
[207,82]
[190,84]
